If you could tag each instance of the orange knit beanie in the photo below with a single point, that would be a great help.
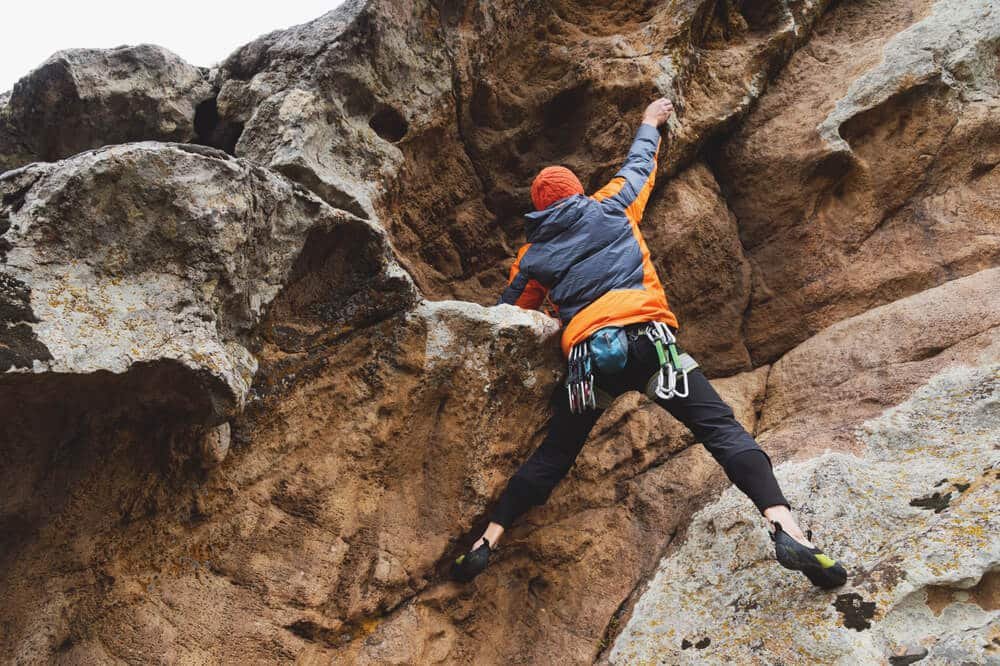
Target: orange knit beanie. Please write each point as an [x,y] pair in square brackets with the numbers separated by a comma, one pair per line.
[552,184]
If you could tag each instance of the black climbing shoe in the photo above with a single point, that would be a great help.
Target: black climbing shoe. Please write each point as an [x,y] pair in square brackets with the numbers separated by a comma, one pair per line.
[821,570]
[468,566]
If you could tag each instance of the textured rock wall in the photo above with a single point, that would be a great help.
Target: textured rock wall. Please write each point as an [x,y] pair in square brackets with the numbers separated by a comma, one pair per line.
[87,98]
[915,515]
[238,422]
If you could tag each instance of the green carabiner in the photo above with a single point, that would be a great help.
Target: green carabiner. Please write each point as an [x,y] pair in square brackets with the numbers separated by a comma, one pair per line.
[675,360]
[659,353]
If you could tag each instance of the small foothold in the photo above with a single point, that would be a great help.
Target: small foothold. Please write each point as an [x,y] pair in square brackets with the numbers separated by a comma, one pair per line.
[908,654]
[215,445]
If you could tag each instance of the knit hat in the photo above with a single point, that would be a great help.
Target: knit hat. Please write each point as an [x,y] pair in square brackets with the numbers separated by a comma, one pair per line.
[552,184]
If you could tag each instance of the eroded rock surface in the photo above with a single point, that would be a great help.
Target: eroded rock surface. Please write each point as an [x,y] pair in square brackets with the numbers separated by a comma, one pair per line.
[825,224]
[435,117]
[343,492]
[87,98]
[155,254]
[879,137]
[915,565]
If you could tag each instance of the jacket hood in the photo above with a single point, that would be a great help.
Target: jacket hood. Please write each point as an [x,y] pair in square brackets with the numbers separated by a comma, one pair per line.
[543,225]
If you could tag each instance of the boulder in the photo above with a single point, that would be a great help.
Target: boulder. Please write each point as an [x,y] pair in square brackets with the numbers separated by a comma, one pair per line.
[147,255]
[80,99]
[343,494]
[235,428]
[913,518]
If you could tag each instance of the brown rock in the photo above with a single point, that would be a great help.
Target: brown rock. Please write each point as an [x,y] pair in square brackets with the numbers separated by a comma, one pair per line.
[570,564]
[345,485]
[865,149]
[857,368]
[380,427]
[435,120]
[694,241]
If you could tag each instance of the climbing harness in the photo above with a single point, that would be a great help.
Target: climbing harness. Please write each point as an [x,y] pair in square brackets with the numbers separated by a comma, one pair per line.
[607,350]
[673,365]
[580,379]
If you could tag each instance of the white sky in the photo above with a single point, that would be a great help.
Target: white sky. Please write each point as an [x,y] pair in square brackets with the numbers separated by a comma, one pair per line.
[202,32]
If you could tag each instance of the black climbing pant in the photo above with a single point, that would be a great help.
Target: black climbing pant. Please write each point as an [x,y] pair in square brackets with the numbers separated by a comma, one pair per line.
[703,412]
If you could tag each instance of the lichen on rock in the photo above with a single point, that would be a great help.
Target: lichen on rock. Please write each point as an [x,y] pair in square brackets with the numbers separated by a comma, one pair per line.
[153,253]
[724,585]
[256,396]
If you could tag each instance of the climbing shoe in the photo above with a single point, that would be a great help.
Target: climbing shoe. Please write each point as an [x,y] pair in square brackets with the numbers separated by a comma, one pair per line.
[471,564]
[821,570]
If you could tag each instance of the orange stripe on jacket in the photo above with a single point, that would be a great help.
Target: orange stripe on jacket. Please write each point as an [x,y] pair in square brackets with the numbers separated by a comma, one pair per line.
[534,293]
[620,307]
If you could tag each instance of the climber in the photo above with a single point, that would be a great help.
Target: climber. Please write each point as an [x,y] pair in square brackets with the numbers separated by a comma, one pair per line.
[586,258]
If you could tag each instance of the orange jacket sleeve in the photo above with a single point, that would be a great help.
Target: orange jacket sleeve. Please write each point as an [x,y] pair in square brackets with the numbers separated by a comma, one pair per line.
[521,290]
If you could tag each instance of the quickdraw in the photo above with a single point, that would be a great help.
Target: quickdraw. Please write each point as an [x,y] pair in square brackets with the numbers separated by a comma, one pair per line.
[671,366]
[580,379]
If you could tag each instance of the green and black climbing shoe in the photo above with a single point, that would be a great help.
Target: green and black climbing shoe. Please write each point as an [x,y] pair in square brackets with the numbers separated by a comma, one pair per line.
[471,564]
[821,570]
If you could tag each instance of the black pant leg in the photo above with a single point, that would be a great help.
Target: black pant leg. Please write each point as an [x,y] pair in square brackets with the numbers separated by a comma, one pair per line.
[713,424]
[532,484]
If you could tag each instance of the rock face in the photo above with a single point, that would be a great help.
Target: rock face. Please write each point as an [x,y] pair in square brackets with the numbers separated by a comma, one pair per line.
[439,116]
[161,254]
[238,424]
[880,136]
[914,517]
[87,98]
[347,481]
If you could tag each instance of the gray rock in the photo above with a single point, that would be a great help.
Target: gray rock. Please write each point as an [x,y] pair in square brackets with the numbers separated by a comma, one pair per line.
[954,46]
[721,597]
[151,253]
[322,104]
[80,99]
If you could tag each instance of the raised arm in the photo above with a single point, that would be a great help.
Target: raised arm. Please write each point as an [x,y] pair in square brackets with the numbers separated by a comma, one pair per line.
[521,290]
[630,188]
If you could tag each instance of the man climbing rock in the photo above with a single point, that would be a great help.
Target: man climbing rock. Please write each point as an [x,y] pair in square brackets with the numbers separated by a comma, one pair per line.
[586,257]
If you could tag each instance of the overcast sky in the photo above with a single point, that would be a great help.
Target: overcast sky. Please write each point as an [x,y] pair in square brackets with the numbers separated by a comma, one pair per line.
[202,32]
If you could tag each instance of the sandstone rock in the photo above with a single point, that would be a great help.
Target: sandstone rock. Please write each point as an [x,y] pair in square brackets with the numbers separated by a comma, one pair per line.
[565,83]
[694,241]
[174,265]
[434,120]
[858,367]
[379,427]
[341,494]
[877,138]
[87,98]
[571,564]
[722,598]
